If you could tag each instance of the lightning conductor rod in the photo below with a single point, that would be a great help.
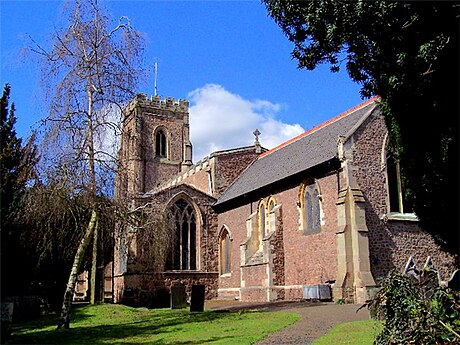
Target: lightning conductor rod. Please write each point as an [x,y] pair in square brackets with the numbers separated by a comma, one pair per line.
[155,78]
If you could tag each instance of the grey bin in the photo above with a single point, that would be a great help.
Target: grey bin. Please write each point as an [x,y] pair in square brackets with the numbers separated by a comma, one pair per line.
[317,291]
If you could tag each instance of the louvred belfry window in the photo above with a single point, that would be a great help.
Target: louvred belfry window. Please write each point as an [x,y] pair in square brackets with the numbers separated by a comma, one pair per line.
[160,143]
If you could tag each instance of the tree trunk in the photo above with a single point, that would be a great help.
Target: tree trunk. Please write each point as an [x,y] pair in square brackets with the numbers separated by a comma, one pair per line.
[101,270]
[93,299]
[68,295]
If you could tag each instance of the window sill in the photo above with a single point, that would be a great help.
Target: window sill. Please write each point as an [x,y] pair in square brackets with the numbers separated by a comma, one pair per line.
[411,217]
[226,275]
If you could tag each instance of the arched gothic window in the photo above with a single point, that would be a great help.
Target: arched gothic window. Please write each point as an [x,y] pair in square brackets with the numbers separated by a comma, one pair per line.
[271,215]
[160,143]
[262,220]
[224,252]
[398,197]
[310,205]
[183,250]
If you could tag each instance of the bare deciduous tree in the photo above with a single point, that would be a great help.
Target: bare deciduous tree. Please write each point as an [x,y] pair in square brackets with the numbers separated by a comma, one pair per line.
[90,71]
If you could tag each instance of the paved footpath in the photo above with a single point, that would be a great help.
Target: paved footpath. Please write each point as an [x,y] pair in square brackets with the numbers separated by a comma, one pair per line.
[317,318]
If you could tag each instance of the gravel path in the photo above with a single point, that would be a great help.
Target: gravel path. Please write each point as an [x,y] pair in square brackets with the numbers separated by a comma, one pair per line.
[317,318]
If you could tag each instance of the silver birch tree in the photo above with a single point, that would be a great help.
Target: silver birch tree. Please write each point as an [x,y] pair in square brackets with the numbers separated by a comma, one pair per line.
[90,70]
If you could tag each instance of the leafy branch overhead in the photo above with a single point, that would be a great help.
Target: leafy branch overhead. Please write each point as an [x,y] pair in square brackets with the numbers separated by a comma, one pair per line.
[408,54]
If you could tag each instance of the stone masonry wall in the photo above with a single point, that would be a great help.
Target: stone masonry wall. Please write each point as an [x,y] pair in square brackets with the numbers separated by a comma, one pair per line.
[134,280]
[392,242]
[214,173]
[153,289]
[310,259]
[140,169]
[302,259]
[199,180]
[173,123]
[235,221]
[230,166]
[277,248]
[206,221]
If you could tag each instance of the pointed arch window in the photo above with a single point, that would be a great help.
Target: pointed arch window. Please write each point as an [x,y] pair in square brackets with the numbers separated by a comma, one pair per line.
[160,143]
[310,208]
[398,197]
[262,220]
[183,251]
[271,215]
[225,258]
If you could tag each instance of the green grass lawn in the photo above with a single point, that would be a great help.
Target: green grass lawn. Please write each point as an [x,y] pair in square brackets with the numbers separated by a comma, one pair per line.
[351,333]
[118,324]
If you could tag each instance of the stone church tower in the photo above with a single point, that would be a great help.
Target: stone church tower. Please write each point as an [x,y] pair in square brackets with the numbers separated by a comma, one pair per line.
[155,144]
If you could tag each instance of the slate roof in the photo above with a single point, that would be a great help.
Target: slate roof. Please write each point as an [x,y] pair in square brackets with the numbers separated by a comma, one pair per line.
[308,150]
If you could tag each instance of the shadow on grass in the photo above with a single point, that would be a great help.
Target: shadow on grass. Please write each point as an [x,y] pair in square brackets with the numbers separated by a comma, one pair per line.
[143,326]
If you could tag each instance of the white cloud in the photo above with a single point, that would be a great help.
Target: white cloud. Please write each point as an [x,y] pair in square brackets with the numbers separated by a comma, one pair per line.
[108,134]
[222,120]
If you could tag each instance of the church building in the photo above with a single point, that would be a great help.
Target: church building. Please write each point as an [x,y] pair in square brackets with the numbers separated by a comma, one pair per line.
[324,211]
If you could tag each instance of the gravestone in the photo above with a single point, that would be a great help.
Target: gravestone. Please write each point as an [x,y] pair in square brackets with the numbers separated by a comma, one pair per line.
[197,300]
[6,319]
[178,297]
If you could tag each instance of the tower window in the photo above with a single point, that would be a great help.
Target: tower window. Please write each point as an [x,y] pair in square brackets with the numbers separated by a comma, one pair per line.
[160,143]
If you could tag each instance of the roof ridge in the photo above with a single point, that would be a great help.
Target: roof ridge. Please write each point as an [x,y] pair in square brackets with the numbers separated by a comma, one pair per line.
[321,125]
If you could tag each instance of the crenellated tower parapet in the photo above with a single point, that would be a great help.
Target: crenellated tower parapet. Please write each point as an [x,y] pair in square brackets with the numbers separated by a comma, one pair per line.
[170,106]
[155,143]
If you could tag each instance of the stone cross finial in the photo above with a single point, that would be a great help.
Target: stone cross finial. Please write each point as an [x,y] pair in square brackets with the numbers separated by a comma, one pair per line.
[256,134]
[256,142]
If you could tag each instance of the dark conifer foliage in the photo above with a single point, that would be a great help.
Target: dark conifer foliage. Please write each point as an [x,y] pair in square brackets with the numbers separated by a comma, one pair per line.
[17,164]
[408,54]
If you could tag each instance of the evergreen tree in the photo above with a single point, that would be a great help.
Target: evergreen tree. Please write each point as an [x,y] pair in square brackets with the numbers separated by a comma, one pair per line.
[16,167]
[10,156]
[407,52]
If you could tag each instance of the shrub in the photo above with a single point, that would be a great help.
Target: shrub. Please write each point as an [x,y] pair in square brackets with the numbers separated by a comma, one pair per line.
[416,311]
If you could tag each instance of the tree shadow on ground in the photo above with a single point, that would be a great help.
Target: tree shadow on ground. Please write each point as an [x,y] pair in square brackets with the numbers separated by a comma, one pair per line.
[145,327]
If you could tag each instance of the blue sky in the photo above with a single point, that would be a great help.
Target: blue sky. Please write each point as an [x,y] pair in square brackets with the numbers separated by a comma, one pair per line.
[229,58]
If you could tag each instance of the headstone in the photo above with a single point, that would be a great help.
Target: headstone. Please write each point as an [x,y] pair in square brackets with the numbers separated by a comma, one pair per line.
[197,300]
[6,318]
[178,297]
[162,298]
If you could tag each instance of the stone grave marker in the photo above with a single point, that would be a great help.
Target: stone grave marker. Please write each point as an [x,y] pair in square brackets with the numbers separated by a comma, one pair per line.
[197,300]
[178,297]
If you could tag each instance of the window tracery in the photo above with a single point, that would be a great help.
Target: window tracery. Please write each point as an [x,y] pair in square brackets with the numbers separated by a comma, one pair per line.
[310,208]
[183,250]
